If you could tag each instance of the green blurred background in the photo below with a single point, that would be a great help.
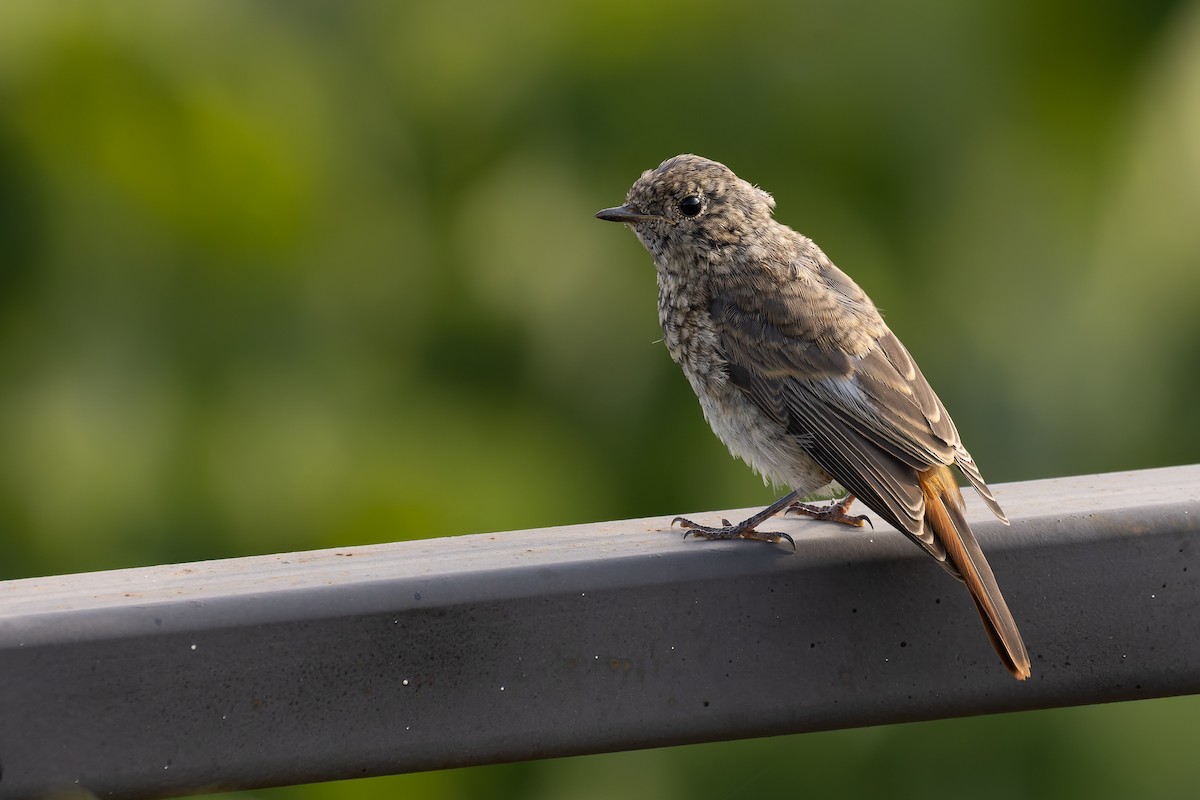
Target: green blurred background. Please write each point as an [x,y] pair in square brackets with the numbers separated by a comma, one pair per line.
[281,276]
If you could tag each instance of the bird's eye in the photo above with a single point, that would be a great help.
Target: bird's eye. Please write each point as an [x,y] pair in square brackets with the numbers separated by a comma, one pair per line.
[689,206]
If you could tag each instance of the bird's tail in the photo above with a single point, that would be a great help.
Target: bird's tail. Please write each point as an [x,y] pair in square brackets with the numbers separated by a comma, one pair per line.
[944,514]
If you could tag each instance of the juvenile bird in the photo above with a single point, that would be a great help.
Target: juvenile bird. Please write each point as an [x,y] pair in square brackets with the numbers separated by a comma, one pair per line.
[800,377]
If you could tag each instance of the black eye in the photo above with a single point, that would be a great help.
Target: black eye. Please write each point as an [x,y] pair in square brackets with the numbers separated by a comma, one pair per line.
[689,206]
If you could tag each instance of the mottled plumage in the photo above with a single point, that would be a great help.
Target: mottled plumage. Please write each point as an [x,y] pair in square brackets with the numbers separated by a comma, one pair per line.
[798,374]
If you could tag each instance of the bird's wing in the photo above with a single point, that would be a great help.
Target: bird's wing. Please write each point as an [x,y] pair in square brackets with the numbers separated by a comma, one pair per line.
[850,392]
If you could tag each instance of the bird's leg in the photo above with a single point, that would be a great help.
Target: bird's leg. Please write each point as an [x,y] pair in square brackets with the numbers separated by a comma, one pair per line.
[834,512]
[744,529]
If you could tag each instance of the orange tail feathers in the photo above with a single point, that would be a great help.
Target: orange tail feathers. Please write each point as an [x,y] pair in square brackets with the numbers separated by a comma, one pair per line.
[944,514]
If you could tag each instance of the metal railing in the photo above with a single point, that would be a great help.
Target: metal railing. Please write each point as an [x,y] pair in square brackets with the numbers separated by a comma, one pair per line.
[422,655]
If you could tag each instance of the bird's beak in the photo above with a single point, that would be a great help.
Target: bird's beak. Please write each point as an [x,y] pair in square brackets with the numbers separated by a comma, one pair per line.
[622,214]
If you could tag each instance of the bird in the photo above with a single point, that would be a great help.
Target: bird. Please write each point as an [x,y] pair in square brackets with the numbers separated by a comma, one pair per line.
[799,376]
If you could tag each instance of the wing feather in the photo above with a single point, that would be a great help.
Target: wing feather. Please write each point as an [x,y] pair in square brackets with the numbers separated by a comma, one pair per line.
[855,400]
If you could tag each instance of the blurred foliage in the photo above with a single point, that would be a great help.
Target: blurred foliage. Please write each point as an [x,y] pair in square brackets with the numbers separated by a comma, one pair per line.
[281,276]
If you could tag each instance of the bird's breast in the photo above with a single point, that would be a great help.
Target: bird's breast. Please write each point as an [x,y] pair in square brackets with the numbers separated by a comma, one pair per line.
[688,330]
[767,446]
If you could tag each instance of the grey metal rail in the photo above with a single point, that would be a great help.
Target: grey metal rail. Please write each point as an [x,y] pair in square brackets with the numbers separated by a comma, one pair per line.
[440,653]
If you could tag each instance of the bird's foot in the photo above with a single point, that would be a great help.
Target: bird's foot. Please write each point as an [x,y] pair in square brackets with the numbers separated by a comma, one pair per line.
[834,512]
[743,530]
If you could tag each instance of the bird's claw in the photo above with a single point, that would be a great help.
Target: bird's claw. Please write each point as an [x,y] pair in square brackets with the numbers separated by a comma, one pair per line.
[739,531]
[834,512]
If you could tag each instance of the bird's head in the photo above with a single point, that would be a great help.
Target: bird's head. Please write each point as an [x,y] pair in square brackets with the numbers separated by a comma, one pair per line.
[690,205]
